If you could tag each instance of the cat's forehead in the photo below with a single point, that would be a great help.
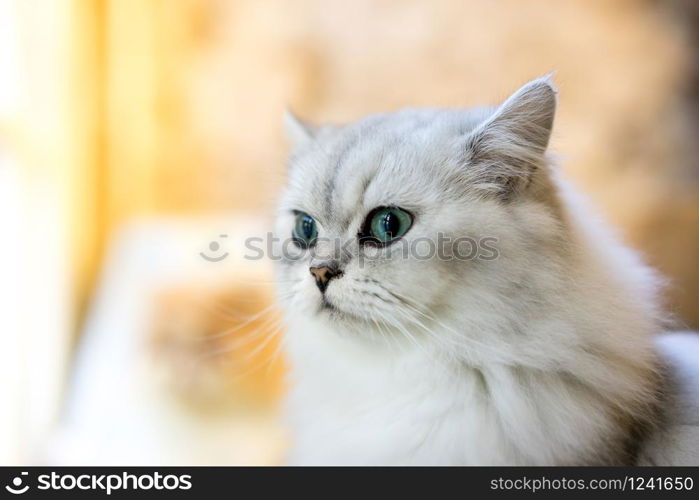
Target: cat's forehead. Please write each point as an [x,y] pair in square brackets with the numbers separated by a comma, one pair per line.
[384,159]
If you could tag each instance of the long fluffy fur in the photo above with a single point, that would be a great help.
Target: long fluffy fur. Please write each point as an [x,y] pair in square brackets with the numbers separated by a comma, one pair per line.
[544,355]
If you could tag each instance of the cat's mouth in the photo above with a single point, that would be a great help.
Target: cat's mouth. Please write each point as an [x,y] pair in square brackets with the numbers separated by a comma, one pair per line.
[326,305]
[334,312]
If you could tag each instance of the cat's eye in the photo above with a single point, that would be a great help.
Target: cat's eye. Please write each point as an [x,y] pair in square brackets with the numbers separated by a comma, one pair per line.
[386,224]
[305,231]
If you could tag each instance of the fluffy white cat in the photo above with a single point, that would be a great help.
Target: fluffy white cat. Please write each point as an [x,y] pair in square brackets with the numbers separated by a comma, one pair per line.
[407,348]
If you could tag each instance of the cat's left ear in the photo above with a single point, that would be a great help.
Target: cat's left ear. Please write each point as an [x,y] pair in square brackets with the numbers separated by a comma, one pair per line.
[297,130]
[508,148]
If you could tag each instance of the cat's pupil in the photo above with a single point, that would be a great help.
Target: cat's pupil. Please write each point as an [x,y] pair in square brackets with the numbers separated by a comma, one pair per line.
[307,226]
[305,231]
[391,224]
[386,224]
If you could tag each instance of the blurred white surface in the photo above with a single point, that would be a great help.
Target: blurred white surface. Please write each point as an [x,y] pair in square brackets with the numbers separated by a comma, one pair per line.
[117,411]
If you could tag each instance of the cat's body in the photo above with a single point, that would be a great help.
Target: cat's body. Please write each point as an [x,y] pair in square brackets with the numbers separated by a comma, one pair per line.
[543,355]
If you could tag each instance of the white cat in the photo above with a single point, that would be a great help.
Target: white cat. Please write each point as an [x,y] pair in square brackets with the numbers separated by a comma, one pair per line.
[536,349]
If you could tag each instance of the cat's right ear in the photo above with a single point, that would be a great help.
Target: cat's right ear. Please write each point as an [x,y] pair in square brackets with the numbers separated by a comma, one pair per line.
[297,130]
[507,150]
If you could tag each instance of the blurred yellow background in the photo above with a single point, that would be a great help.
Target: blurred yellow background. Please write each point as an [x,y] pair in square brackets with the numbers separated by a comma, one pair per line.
[120,113]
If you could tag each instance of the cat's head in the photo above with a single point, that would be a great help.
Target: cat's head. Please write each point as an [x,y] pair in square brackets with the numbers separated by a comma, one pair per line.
[400,217]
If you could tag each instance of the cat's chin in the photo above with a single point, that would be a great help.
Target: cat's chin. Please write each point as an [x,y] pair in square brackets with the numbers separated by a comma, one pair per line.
[335,313]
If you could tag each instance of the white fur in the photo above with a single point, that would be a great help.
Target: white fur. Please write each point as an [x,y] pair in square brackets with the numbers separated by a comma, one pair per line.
[541,356]
[676,441]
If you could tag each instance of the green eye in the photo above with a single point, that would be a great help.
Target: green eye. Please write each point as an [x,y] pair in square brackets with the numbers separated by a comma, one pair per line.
[305,231]
[388,223]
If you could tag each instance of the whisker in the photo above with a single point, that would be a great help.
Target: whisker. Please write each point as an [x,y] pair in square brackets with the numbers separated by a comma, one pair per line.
[255,334]
[271,330]
[454,342]
[277,352]
[270,309]
[264,343]
[269,359]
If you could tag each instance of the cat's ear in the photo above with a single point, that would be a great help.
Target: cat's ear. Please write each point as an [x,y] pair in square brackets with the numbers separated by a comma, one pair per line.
[508,148]
[297,130]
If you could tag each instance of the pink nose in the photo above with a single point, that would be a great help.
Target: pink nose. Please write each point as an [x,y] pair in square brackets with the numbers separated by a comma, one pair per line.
[323,275]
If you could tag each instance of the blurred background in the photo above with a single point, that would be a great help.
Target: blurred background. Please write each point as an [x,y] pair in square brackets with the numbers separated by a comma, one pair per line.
[137,135]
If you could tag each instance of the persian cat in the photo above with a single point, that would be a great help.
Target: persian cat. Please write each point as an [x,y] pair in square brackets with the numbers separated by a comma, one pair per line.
[450,300]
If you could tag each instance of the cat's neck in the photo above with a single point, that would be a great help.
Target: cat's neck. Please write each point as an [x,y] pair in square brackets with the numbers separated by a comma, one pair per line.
[506,414]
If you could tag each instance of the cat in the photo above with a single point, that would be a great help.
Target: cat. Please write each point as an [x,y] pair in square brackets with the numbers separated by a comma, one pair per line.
[542,352]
